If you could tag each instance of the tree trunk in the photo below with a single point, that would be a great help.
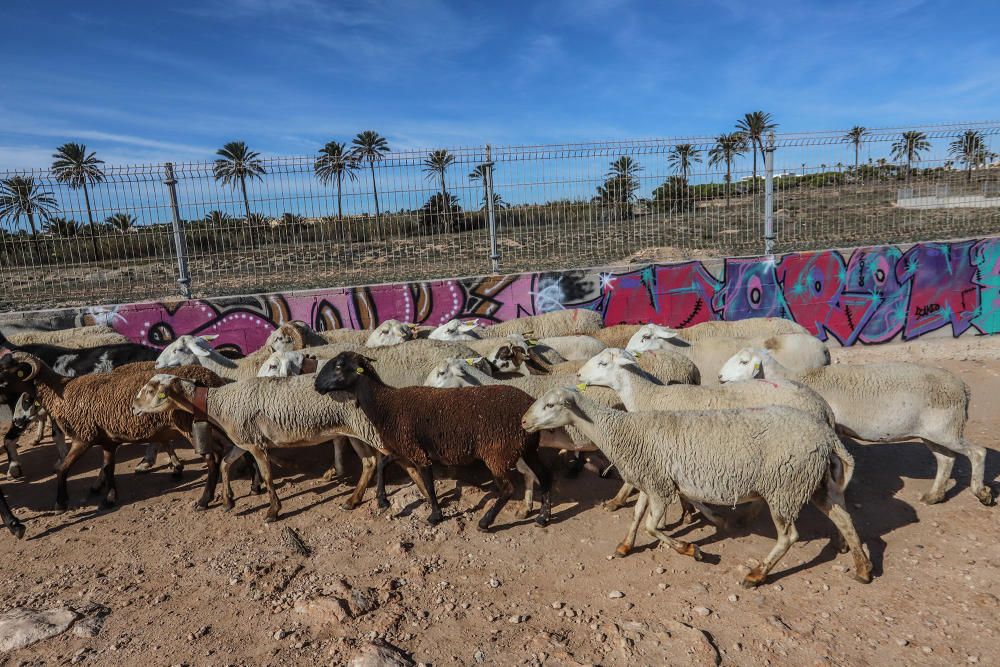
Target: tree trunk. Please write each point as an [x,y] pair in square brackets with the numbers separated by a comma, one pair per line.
[246,200]
[35,255]
[856,158]
[340,210]
[729,179]
[374,190]
[90,218]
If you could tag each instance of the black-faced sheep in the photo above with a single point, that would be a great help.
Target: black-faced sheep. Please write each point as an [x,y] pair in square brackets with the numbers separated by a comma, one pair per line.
[423,425]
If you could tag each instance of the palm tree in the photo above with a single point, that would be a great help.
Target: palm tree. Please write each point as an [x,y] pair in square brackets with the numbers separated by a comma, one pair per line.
[621,182]
[334,164]
[726,149]
[436,164]
[681,157]
[61,227]
[123,222]
[856,136]
[72,165]
[970,149]
[753,126]
[21,195]
[218,218]
[370,146]
[235,164]
[909,146]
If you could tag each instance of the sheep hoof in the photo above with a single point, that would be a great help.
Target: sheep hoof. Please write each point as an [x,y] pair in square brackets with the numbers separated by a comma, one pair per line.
[107,504]
[228,505]
[985,496]
[611,505]
[693,551]
[143,467]
[59,509]
[436,518]
[18,530]
[622,550]
[14,471]
[863,577]
[542,520]
[349,505]
[753,579]
[932,498]
[270,518]
[177,473]
[200,506]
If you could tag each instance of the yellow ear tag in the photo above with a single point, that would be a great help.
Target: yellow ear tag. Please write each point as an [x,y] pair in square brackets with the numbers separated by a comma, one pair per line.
[161,395]
[532,341]
[20,374]
[360,370]
[37,404]
[469,361]
[637,354]
[756,366]
[582,386]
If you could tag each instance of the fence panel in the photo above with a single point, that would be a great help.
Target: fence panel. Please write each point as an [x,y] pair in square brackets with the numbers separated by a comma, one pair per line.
[553,207]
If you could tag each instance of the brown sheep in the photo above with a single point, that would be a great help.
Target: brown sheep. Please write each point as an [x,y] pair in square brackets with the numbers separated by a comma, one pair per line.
[423,425]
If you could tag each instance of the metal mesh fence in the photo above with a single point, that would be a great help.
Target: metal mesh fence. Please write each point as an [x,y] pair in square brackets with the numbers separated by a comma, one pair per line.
[553,207]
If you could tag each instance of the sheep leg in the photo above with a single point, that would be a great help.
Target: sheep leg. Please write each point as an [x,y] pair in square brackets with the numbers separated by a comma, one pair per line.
[505,489]
[176,467]
[148,459]
[620,499]
[543,477]
[637,513]
[256,482]
[211,481]
[977,457]
[274,508]
[39,431]
[830,500]
[227,463]
[787,536]
[13,525]
[945,462]
[368,466]
[436,516]
[14,469]
[337,469]
[383,461]
[60,442]
[76,450]
[654,516]
[108,472]
[530,479]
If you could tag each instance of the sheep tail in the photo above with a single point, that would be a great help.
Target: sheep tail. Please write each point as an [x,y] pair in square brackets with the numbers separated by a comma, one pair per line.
[841,465]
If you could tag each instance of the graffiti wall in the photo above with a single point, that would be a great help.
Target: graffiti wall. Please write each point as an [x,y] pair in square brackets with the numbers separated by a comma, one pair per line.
[870,295]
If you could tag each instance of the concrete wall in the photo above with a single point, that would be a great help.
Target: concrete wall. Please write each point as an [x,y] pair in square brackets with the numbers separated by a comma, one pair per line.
[867,296]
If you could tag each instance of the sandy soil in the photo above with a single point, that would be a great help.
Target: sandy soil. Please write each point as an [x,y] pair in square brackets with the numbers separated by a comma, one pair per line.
[225,589]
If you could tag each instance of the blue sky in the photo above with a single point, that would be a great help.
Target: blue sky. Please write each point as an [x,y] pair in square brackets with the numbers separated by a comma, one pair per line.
[147,82]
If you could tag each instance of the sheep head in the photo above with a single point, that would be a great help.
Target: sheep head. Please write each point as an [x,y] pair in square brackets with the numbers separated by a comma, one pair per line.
[159,394]
[651,337]
[282,364]
[18,367]
[554,409]
[457,330]
[391,332]
[287,337]
[343,372]
[187,350]
[453,373]
[28,409]
[603,369]
[746,364]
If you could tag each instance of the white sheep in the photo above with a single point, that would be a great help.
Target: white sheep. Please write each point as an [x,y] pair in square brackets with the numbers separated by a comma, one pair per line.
[457,331]
[568,348]
[568,322]
[751,327]
[797,351]
[723,457]
[77,337]
[394,332]
[639,391]
[260,414]
[665,365]
[886,402]
[399,365]
[197,351]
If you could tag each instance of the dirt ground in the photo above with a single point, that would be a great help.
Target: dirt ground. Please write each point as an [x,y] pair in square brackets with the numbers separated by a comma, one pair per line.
[217,588]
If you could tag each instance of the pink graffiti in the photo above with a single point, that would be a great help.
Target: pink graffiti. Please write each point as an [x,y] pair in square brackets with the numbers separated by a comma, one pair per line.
[677,295]
[942,291]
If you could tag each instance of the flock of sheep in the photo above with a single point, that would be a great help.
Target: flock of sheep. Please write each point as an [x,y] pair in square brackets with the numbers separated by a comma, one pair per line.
[716,415]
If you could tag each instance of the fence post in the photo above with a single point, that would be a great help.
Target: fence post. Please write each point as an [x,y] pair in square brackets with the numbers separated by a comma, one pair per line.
[769,195]
[180,243]
[494,253]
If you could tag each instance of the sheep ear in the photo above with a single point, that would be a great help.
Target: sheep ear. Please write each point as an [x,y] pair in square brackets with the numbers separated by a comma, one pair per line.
[199,347]
[468,326]
[210,336]
[573,407]
[627,357]
[370,360]
[666,334]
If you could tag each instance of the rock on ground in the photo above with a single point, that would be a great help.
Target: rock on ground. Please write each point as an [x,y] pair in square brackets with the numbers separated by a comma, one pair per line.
[380,654]
[22,627]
